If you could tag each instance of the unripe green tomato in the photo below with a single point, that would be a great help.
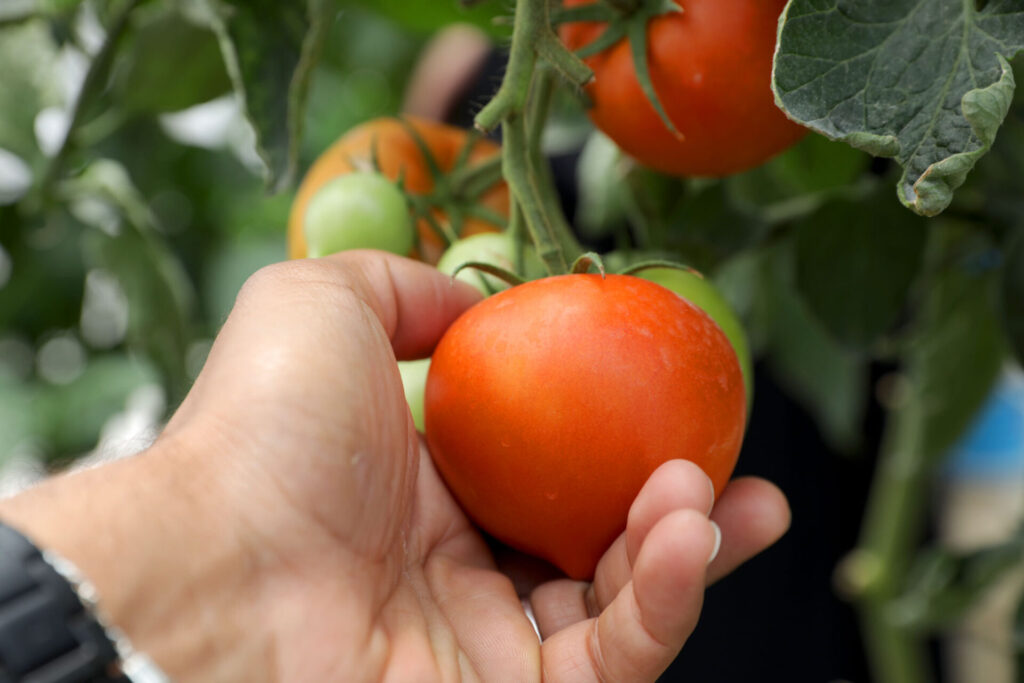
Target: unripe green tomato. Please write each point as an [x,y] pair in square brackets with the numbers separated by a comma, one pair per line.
[358,211]
[414,381]
[495,248]
[703,294]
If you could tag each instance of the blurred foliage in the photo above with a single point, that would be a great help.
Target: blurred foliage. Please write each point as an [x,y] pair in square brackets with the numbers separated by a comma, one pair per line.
[132,255]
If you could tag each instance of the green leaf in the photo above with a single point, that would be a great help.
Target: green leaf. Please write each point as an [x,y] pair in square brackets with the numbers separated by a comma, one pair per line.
[70,417]
[171,63]
[428,17]
[1012,294]
[270,49]
[798,181]
[159,293]
[958,349]
[27,84]
[828,380]
[17,11]
[695,219]
[855,264]
[925,82]
[943,585]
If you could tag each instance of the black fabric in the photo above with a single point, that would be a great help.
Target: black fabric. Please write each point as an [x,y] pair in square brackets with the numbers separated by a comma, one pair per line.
[46,635]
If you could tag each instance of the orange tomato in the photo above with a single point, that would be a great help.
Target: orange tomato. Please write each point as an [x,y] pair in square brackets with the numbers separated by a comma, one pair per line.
[548,405]
[398,155]
[711,67]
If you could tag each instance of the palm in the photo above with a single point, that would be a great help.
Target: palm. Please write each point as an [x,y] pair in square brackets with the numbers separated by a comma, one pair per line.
[371,571]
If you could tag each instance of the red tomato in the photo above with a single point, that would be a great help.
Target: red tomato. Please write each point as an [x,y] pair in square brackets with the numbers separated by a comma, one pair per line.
[548,405]
[711,66]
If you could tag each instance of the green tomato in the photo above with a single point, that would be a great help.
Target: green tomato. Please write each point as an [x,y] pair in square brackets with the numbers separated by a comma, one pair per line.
[703,294]
[496,248]
[358,211]
[414,380]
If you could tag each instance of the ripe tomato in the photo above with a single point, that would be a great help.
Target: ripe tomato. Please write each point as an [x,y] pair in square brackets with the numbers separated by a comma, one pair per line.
[549,404]
[397,155]
[703,294]
[711,68]
[358,211]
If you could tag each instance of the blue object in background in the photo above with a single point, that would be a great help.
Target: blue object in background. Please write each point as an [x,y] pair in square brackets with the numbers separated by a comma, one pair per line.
[993,446]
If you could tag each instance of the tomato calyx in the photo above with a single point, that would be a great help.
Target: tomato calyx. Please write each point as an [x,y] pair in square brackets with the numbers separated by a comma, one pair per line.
[489,268]
[649,264]
[455,194]
[626,19]
[584,262]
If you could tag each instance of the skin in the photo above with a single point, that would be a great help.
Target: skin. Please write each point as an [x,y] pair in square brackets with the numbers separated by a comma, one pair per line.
[288,525]
[711,68]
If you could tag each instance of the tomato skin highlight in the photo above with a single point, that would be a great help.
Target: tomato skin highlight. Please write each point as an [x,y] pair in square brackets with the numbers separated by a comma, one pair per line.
[548,406]
[711,67]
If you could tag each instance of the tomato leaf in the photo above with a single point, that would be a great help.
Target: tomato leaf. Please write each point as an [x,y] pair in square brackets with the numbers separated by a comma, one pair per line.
[798,181]
[170,64]
[429,17]
[27,84]
[159,293]
[943,585]
[925,82]
[958,350]
[270,49]
[1012,295]
[855,264]
[828,380]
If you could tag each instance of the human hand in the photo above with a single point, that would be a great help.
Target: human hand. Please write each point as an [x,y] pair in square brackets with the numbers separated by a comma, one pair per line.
[289,524]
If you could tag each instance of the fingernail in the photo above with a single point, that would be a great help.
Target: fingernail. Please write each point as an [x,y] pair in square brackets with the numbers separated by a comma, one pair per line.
[712,485]
[718,542]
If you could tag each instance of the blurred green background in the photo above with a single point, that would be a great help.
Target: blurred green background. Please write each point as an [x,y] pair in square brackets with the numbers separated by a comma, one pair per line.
[114,285]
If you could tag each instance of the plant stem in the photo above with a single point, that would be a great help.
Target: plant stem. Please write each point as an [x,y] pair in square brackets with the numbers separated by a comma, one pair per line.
[523,166]
[530,22]
[521,180]
[540,104]
[473,180]
[875,571]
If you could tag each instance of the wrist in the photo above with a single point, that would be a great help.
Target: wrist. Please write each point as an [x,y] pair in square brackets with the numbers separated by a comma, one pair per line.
[167,568]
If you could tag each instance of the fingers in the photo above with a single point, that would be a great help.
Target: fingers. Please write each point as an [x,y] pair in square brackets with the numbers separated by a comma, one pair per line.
[639,634]
[752,514]
[413,301]
[675,485]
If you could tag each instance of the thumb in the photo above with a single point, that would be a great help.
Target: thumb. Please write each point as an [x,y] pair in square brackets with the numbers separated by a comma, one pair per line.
[308,326]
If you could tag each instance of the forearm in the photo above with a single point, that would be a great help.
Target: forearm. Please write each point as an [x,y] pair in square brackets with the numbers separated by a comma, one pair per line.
[148,534]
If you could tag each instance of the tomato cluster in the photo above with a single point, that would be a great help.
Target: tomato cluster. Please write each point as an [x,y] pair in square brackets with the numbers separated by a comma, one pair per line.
[547,405]
[381,153]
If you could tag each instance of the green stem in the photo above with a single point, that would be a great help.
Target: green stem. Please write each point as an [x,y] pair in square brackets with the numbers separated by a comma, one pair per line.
[532,37]
[530,22]
[521,180]
[891,522]
[537,117]
[473,180]
[93,84]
